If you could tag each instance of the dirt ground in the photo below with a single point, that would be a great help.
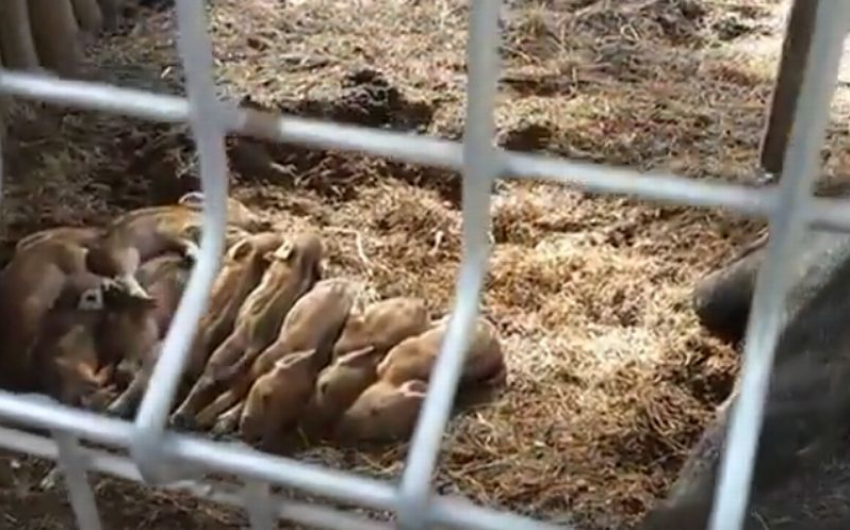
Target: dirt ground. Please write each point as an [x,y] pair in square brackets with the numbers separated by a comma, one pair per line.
[611,379]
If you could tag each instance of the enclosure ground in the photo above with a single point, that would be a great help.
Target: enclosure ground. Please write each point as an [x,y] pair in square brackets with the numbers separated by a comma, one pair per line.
[610,379]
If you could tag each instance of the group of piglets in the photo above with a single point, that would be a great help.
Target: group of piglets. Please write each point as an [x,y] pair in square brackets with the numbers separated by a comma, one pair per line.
[302,355]
[280,349]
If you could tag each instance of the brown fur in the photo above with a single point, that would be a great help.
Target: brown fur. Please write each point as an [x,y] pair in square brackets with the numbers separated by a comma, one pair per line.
[238,214]
[77,351]
[134,329]
[364,342]
[88,15]
[384,412]
[139,236]
[277,399]
[242,269]
[47,275]
[295,267]
[67,357]
[414,358]
[313,324]
[315,321]
[142,234]
[82,236]
[165,277]
[382,325]
[340,384]
[234,235]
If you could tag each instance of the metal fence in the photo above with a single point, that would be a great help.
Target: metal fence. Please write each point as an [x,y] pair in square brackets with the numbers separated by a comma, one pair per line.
[163,458]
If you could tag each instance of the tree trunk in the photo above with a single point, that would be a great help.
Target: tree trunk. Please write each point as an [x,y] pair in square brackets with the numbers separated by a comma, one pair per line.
[4,108]
[16,41]
[89,15]
[789,79]
[56,35]
[111,10]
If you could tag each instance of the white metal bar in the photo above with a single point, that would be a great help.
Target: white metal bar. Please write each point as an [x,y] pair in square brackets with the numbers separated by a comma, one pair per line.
[826,214]
[73,463]
[45,413]
[175,109]
[460,513]
[656,186]
[482,164]
[787,224]
[258,505]
[208,128]
[236,459]
[122,467]
[89,95]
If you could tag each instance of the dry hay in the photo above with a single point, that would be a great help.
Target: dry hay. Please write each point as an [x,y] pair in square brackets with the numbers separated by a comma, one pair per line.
[611,378]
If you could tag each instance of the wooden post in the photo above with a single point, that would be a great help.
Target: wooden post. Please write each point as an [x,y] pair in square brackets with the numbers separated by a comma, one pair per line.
[786,90]
[19,52]
[56,34]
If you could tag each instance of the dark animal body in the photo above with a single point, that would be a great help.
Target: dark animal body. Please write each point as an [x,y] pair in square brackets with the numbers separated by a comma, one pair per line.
[723,298]
[806,411]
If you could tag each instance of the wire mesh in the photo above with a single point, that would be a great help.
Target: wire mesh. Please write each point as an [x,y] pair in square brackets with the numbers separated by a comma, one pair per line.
[158,456]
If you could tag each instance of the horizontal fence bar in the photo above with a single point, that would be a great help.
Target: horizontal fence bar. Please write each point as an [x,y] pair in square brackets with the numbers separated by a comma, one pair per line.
[249,122]
[234,458]
[825,214]
[122,467]
[239,459]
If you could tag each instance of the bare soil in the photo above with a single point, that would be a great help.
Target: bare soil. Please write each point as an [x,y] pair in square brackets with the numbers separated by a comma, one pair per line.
[611,379]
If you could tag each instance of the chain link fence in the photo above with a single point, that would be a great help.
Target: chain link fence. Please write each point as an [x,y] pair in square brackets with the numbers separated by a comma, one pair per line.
[160,457]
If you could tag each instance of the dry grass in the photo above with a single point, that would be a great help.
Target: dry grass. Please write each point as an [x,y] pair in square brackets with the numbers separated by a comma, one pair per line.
[610,377]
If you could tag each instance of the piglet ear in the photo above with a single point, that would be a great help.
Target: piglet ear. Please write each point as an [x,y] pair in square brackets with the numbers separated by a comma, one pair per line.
[135,300]
[440,323]
[192,233]
[295,359]
[193,199]
[284,251]
[239,251]
[357,358]
[91,299]
[414,388]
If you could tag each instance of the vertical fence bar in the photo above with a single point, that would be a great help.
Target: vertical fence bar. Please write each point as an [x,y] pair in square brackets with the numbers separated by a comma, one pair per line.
[261,513]
[787,229]
[481,166]
[207,119]
[73,463]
